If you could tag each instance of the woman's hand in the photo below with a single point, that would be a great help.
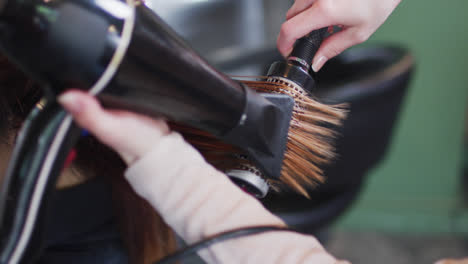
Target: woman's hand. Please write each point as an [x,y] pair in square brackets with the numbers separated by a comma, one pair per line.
[130,135]
[358,18]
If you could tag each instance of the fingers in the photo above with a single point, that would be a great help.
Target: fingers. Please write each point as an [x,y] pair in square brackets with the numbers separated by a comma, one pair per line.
[129,134]
[295,27]
[360,19]
[335,44]
[298,7]
[87,112]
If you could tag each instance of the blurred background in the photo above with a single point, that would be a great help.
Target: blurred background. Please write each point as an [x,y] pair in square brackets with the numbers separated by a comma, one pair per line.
[412,205]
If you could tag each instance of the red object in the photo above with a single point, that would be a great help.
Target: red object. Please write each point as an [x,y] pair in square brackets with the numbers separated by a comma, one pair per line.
[70,158]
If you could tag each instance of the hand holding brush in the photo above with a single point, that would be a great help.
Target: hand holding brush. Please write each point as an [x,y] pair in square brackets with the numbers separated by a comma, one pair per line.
[359,19]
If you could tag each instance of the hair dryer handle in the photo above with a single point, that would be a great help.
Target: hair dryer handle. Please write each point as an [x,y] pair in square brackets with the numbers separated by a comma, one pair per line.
[38,157]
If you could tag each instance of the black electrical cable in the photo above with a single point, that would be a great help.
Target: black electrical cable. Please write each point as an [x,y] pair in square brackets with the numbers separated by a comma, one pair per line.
[236,233]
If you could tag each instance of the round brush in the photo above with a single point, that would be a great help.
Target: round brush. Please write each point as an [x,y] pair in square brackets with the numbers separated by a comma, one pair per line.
[310,137]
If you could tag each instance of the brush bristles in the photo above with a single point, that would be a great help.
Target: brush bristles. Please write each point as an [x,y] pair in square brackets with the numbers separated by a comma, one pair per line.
[310,138]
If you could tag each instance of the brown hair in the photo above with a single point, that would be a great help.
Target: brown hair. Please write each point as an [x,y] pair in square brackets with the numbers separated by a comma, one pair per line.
[145,234]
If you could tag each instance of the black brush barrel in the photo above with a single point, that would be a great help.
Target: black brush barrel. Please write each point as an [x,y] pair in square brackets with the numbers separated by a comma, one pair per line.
[306,47]
[297,67]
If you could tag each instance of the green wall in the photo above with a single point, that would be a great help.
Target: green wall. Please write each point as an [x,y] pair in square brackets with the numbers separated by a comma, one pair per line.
[417,187]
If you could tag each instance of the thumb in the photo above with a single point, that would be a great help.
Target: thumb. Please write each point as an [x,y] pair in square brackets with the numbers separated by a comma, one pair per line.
[86,111]
[336,44]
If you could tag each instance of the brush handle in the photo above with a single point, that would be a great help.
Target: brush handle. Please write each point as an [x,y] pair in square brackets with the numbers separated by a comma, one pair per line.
[306,47]
[296,69]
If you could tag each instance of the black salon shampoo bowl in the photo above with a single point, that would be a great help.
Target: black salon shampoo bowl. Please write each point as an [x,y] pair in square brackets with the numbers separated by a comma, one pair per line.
[373,80]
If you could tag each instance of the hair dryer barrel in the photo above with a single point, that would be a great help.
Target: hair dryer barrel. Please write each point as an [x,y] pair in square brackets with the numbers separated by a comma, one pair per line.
[77,43]
[161,74]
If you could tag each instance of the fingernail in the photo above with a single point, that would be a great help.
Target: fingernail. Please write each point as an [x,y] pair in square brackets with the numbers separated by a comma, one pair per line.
[70,102]
[318,64]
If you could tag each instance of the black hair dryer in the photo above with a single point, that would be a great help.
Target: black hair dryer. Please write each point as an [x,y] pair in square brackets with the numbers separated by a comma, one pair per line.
[123,53]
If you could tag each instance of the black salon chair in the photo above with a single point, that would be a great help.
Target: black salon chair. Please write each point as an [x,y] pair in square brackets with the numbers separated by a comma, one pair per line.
[373,80]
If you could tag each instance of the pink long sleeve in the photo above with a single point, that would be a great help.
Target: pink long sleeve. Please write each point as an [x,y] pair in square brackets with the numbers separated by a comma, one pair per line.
[196,200]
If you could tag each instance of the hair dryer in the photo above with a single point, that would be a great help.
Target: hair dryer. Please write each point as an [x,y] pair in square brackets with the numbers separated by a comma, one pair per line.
[127,56]
[123,53]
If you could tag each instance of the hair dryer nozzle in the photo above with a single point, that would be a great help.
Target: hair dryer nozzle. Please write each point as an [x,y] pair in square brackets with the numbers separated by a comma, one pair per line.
[263,130]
